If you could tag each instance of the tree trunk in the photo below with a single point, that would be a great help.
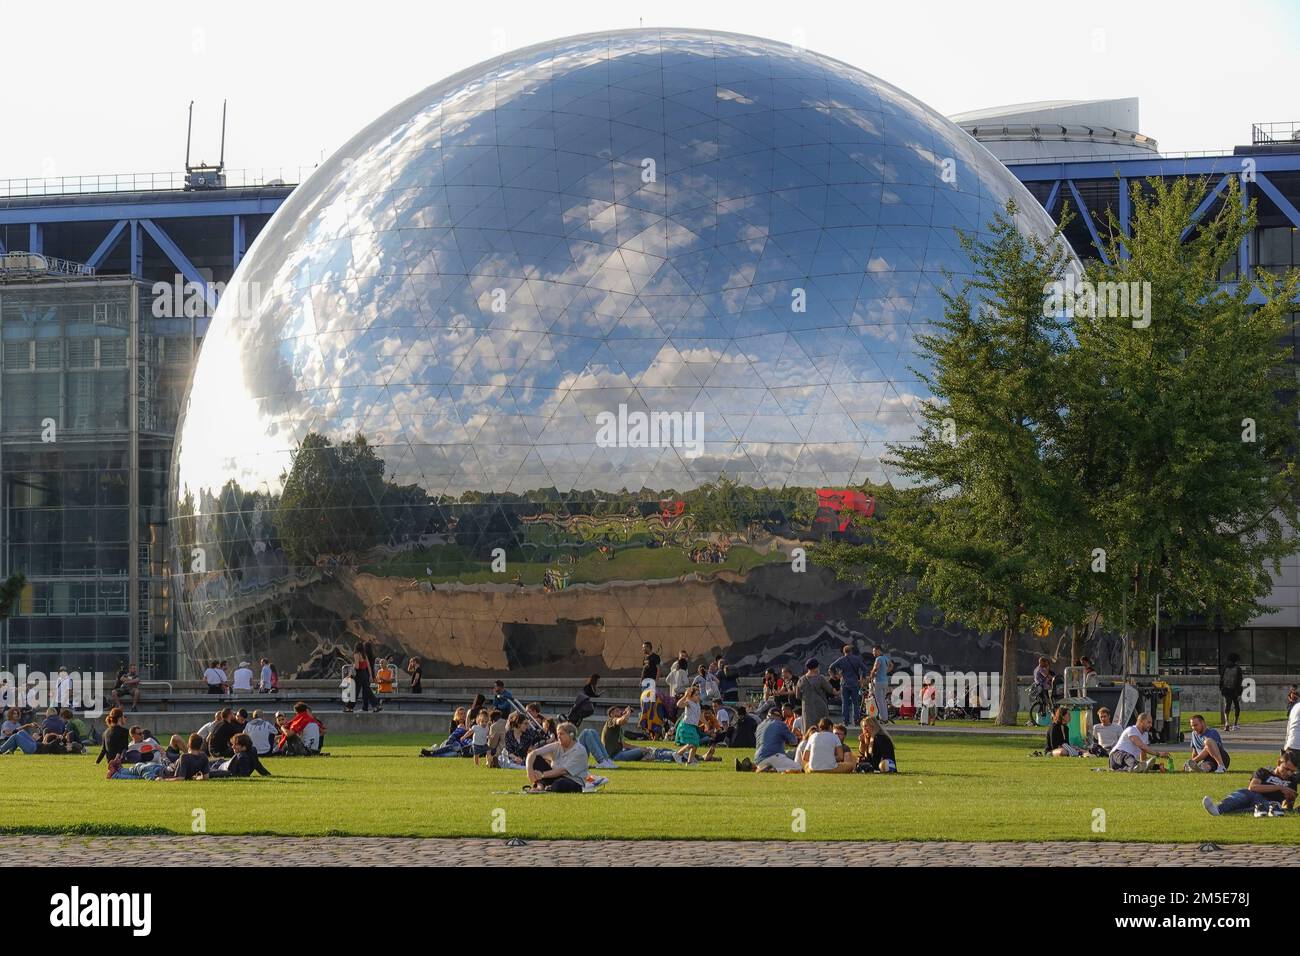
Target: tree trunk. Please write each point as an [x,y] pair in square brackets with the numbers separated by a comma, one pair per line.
[1077,642]
[1009,702]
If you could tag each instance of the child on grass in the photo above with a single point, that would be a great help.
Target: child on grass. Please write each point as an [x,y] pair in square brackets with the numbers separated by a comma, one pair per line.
[479,732]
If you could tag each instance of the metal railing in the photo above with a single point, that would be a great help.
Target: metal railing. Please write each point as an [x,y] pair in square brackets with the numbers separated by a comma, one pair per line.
[145,182]
[1262,134]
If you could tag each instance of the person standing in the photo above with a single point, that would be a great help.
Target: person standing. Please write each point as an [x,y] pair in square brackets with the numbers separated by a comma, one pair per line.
[880,682]
[852,669]
[1231,680]
[264,680]
[813,691]
[649,661]
[243,679]
[415,667]
[214,678]
[361,672]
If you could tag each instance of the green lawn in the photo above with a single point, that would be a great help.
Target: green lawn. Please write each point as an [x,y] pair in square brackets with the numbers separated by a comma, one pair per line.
[951,788]
[449,564]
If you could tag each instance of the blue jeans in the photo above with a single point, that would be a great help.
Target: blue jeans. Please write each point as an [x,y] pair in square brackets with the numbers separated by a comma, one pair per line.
[19,740]
[140,771]
[629,753]
[1240,800]
[590,741]
[851,703]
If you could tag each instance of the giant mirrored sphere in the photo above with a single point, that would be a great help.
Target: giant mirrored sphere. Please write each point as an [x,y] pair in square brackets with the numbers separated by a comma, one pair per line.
[569,352]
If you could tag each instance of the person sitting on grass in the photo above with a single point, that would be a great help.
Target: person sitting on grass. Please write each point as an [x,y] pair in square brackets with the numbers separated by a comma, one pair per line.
[741,734]
[1105,734]
[141,743]
[193,764]
[608,746]
[1133,751]
[875,749]
[824,752]
[219,738]
[772,736]
[514,744]
[262,732]
[307,726]
[687,733]
[1208,753]
[206,730]
[455,744]
[15,735]
[116,737]
[496,736]
[1058,736]
[582,704]
[175,747]
[244,763]
[1270,792]
[558,767]
[77,727]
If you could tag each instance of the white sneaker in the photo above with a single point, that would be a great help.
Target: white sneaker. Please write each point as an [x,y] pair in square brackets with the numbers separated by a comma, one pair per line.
[1211,807]
[1219,769]
[1274,810]
[1262,811]
[606,765]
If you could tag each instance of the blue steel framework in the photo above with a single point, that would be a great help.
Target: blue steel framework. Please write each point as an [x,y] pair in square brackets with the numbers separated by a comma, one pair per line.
[147,237]
[228,220]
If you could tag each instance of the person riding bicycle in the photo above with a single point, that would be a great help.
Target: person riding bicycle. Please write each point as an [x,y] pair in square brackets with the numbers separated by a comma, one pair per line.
[1040,693]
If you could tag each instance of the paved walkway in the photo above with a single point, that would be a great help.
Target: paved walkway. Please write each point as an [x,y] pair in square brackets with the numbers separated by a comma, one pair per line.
[389,851]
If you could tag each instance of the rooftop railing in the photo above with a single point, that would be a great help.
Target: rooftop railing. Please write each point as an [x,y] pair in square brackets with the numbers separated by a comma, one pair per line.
[1262,134]
[145,182]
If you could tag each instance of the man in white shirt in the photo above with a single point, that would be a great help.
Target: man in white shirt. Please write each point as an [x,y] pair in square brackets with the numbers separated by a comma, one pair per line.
[243,678]
[565,760]
[678,680]
[1293,729]
[262,733]
[1105,733]
[215,680]
[1132,751]
[824,752]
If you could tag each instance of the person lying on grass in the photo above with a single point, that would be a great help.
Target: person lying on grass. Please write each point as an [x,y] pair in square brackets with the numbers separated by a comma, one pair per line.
[875,748]
[1133,751]
[1270,792]
[192,765]
[559,767]
[244,763]
[1209,755]
[1058,736]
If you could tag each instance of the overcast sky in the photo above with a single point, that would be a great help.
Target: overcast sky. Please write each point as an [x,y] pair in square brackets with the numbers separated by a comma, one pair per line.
[103,88]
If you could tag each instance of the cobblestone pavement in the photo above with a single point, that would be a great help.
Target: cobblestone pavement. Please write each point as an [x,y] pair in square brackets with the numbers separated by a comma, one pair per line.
[389,851]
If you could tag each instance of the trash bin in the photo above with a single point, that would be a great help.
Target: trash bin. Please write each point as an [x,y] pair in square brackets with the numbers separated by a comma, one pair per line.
[1080,722]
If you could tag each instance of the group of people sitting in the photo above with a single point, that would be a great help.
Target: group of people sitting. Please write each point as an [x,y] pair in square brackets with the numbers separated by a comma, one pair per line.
[819,748]
[1129,748]
[229,745]
[58,732]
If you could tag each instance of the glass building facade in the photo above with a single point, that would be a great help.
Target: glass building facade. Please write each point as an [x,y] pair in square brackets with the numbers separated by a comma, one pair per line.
[90,392]
[571,352]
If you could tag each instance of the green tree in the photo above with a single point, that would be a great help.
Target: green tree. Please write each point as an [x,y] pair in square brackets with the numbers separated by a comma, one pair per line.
[1183,425]
[331,497]
[973,530]
[10,593]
